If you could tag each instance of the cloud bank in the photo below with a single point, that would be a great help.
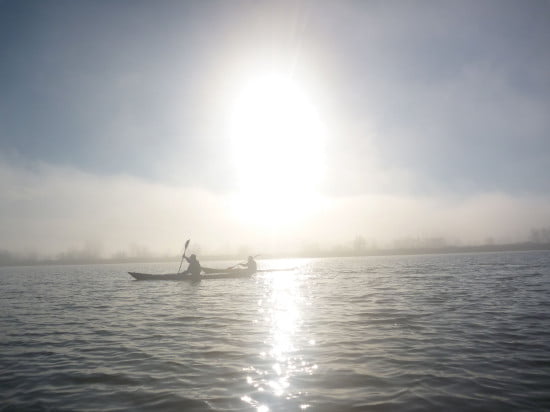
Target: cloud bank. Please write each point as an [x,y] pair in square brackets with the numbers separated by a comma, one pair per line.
[48,210]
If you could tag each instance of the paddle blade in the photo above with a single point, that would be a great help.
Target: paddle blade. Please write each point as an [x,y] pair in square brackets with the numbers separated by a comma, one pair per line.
[185,249]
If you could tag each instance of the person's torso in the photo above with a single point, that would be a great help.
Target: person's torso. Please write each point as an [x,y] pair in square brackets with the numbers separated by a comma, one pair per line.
[195,268]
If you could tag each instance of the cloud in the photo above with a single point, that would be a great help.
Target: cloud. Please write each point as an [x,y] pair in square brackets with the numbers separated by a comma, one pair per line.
[439,96]
[48,210]
[452,98]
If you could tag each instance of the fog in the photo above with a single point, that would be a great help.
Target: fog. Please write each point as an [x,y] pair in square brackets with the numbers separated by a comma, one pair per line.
[49,210]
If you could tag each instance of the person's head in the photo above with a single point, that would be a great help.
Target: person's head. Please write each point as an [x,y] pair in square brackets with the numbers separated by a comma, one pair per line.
[250,258]
[193,257]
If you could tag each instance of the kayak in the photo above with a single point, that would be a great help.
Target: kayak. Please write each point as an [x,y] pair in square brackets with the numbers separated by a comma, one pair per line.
[184,276]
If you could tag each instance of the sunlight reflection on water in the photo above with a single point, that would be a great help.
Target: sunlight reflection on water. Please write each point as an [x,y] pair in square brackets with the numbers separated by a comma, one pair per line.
[280,311]
[442,332]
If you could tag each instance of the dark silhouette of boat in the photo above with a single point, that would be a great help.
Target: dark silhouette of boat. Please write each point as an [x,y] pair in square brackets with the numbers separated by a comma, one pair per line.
[229,274]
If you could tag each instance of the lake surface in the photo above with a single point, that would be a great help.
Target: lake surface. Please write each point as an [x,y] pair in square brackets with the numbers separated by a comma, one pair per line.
[431,332]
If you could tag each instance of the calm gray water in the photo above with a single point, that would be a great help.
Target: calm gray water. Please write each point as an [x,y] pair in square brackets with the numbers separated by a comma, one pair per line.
[442,332]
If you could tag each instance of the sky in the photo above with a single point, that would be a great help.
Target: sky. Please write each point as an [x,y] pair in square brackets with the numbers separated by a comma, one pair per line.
[271,126]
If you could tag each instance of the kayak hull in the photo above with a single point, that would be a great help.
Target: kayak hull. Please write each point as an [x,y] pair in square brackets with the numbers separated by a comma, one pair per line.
[209,271]
[186,277]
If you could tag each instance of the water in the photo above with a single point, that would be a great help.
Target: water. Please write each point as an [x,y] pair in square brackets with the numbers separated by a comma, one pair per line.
[441,332]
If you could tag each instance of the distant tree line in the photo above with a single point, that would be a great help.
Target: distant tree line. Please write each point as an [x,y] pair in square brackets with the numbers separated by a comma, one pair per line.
[540,235]
[539,239]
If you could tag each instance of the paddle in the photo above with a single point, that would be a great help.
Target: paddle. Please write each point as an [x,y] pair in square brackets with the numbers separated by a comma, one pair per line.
[242,263]
[183,256]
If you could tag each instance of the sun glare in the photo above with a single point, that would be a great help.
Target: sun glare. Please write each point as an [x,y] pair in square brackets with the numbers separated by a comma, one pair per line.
[278,149]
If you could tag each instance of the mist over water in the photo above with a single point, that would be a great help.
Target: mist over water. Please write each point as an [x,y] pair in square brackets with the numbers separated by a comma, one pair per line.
[437,332]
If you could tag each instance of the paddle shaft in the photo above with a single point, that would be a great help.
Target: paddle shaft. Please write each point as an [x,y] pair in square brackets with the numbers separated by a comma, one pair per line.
[183,256]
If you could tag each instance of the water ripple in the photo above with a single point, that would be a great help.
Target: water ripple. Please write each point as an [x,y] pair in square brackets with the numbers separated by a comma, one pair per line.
[447,332]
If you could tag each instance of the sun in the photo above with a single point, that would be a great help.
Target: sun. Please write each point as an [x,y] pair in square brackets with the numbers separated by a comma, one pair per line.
[278,149]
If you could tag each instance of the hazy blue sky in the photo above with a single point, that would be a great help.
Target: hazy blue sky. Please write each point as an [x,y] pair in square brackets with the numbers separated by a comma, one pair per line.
[430,102]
